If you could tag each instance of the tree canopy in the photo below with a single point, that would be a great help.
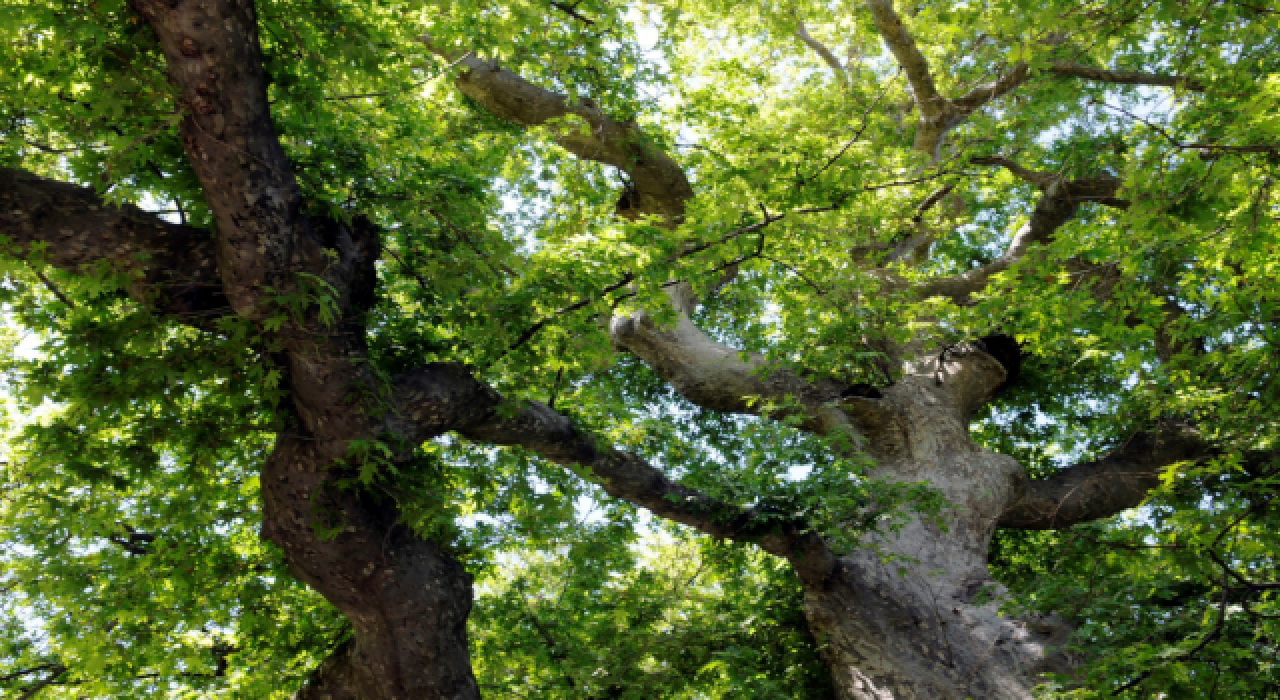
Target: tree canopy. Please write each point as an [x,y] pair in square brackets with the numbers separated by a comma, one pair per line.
[663,330]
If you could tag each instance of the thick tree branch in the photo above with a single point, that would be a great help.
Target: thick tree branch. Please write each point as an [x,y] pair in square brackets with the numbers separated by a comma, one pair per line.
[1060,201]
[339,677]
[904,49]
[407,598]
[974,99]
[55,672]
[708,373]
[721,378]
[74,229]
[1124,77]
[937,115]
[1053,210]
[626,476]
[264,236]
[582,128]
[824,53]
[441,396]
[1102,189]
[1106,486]
[1099,188]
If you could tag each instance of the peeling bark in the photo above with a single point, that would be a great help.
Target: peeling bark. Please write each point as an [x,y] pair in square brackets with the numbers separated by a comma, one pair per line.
[914,613]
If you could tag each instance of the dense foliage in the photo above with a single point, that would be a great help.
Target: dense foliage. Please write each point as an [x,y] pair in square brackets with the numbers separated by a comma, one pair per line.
[131,564]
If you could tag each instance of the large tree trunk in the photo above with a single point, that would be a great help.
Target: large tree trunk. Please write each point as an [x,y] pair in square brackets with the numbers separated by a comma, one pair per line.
[407,600]
[915,613]
[911,613]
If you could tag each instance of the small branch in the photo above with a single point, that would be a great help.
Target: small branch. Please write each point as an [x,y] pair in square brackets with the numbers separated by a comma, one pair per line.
[866,120]
[54,673]
[796,271]
[1037,178]
[531,331]
[48,284]
[979,96]
[1176,143]
[572,11]
[466,238]
[381,93]
[630,277]
[137,543]
[931,201]
[28,671]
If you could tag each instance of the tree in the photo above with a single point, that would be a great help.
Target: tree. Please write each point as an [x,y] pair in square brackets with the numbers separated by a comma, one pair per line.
[949,299]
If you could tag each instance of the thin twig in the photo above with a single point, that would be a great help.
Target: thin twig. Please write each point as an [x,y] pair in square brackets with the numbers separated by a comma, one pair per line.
[54,289]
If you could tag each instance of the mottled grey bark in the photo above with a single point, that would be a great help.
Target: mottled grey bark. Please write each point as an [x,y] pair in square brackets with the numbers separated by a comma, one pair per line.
[914,613]
[900,617]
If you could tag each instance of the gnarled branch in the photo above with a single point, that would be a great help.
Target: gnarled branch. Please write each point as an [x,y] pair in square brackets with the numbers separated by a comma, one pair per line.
[173,265]
[721,378]
[443,397]
[1060,201]
[1106,486]
[661,187]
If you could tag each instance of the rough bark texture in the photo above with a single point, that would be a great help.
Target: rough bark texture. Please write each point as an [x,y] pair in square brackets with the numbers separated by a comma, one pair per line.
[406,598]
[900,618]
[911,615]
[910,621]
[906,627]
[172,266]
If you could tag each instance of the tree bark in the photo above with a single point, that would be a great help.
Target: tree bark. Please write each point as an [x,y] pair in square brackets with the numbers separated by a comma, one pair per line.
[406,598]
[914,613]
